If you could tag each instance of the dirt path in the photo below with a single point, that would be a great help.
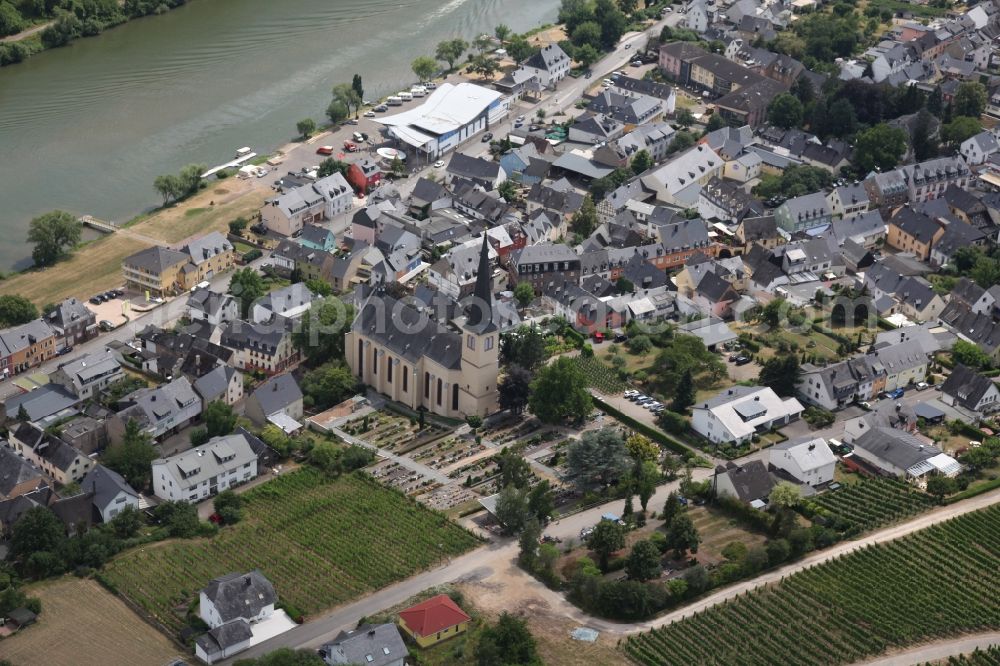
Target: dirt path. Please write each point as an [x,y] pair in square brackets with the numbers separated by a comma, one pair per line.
[24,34]
[938,650]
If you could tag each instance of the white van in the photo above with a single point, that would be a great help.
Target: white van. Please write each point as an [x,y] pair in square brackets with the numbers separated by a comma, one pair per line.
[418,91]
[404,96]
[393,100]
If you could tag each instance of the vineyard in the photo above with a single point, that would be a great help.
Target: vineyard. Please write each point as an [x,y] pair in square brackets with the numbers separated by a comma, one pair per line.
[320,541]
[867,505]
[600,375]
[988,657]
[935,583]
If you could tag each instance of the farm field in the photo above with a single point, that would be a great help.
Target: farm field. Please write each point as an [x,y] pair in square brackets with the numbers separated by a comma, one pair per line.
[600,376]
[935,583]
[65,635]
[320,541]
[869,504]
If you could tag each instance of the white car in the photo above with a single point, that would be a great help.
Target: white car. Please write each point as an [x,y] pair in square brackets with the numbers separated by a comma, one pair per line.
[369,114]
[519,119]
[922,385]
[439,164]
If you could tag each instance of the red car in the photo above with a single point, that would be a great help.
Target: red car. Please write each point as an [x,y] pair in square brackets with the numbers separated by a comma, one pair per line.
[350,147]
[324,150]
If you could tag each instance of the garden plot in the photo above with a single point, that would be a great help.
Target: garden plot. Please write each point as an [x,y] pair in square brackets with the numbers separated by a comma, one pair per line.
[445,453]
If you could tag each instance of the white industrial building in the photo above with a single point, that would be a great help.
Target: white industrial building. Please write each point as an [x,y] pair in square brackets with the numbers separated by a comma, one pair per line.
[449,116]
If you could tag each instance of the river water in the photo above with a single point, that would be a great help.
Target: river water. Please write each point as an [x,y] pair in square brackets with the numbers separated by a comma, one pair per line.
[86,128]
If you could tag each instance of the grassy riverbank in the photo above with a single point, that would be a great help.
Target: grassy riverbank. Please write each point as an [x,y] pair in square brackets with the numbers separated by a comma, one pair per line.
[96,266]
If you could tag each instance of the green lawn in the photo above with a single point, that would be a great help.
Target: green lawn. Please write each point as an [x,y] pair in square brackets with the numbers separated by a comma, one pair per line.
[321,541]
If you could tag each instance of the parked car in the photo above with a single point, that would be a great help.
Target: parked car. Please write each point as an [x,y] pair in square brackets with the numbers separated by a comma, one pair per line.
[106,325]
[733,357]
[369,114]
[324,150]
[551,539]
[64,351]
[897,394]
[96,300]
[598,337]
[865,405]
[683,501]
[922,386]
[652,405]
[381,108]
[439,164]
[637,63]
[742,360]
[487,137]
[628,46]
[519,119]
[621,337]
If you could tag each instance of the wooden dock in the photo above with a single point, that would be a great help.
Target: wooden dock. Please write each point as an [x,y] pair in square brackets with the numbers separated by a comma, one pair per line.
[100,225]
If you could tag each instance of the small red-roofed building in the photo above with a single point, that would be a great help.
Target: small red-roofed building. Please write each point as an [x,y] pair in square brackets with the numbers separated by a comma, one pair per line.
[432,621]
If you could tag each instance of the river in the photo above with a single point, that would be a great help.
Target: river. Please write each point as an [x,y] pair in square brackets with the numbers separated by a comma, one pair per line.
[86,128]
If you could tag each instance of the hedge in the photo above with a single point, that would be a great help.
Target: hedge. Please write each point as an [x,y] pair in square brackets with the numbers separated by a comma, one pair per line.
[972,492]
[645,429]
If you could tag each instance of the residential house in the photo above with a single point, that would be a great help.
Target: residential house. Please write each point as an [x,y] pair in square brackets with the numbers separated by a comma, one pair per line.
[917,299]
[748,104]
[887,190]
[434,620]
[72,322]
[808,460]
[86,434]
[735,415]
[698,17]
[724,200]
[212,307]
[803,213]
[369,645]
[223,383]
[218,464]
[928,180]
[26,346]
[595,129]
[485,173]
[540,265]
[715,296]
[316,237]
[230,605]
[112,494]
[626,108]
[88,375]
[429,195]
[364,175]
[910,231]
[549,65]
[290,302]
[289,213]
[956,235]
[866,229]
[54,457]
[17,475]
[903,364]
[901,454]
[762,230]
[848,201]
[675,59]
[977,149]
[835,386]
[970,390]
[159,411]
[680,180]
[277,401]
[750,483]
[647,88]
[266,347]
[161,271]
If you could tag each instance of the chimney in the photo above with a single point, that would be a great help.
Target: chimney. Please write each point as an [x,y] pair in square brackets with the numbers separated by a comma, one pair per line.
[247,581]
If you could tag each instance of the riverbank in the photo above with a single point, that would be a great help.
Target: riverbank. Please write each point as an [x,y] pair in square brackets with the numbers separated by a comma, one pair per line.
[96,266]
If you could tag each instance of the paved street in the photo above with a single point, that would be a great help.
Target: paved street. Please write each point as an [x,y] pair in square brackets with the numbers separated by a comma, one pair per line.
[938,651]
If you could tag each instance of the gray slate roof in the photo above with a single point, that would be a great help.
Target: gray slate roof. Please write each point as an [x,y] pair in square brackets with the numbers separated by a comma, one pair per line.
[896,447]
[237,595]
[368,645]
[14,470]
[105,484]
[277,393]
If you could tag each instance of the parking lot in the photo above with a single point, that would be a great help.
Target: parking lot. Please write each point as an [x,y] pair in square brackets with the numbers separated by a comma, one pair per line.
[115,310]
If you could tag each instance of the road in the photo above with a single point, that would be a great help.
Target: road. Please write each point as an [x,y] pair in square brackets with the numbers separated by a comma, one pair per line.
[937,651]
[481,563]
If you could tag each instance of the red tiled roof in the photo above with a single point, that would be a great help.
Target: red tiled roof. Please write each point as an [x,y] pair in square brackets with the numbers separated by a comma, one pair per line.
[434,615]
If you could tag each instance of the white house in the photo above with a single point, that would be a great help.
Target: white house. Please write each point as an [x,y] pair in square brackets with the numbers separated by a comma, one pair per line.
[291,302]
[112,494]
[807,459]
[970,390]
[698,17]
[309,204]
[736,414]
[203,471]
[230,605]
[212,307]
[550,65]
[848,201]
[88,374]
[977,149]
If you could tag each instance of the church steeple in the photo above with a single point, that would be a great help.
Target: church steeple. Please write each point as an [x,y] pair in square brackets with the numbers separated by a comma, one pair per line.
[479,313]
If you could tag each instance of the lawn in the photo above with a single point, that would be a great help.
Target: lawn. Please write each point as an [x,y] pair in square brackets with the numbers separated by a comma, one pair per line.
[212,209]
[321,542]
[717,531]
[935,583]
[85,625]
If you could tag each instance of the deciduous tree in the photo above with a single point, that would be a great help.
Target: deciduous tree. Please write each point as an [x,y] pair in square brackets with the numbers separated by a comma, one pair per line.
[133,457]
[306,127]
[515,389]
[16,309]
[643,562]
[424,67]
[53,234]
[559,393]
[682,536]
[451,50]
[879,147]
[524,293]
[247,286]
[597,460]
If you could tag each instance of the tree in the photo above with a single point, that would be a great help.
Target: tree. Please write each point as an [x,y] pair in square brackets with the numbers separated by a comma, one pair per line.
[925,146]
[970,355]
[641,162]
[939,485]
[502,32]
[524,293]
[682,535]
[519,49]
[512,509]
[612,21]
[329,384]
[586,55]
[320,337]
[337,112]
[16,310]
[276,438]
[247,286]
[684,397]
[978,459]
[559,393]
[514,469]
[348,96]
[935,102]
[528,544]
[784,495]
[133,457]
[646,477]
[642,449]
[597,460]
[584,221]
[451,50]
[424,67]
[781,373]
[219,418]
[306,127]
[198,436]
[229,506]
[803,90]
[671,507]
[685,118]
[587,34]
[329,166]
[358,86]
[607,538]
[37,530]
[785,110]
[715,122]
[507,643]
[541,501]
[960,129]
[54,234]
[643,563]
[515,389]
[509,191]
[525,346]
[484,65]
[969,99]
[879,147]
[180,518]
